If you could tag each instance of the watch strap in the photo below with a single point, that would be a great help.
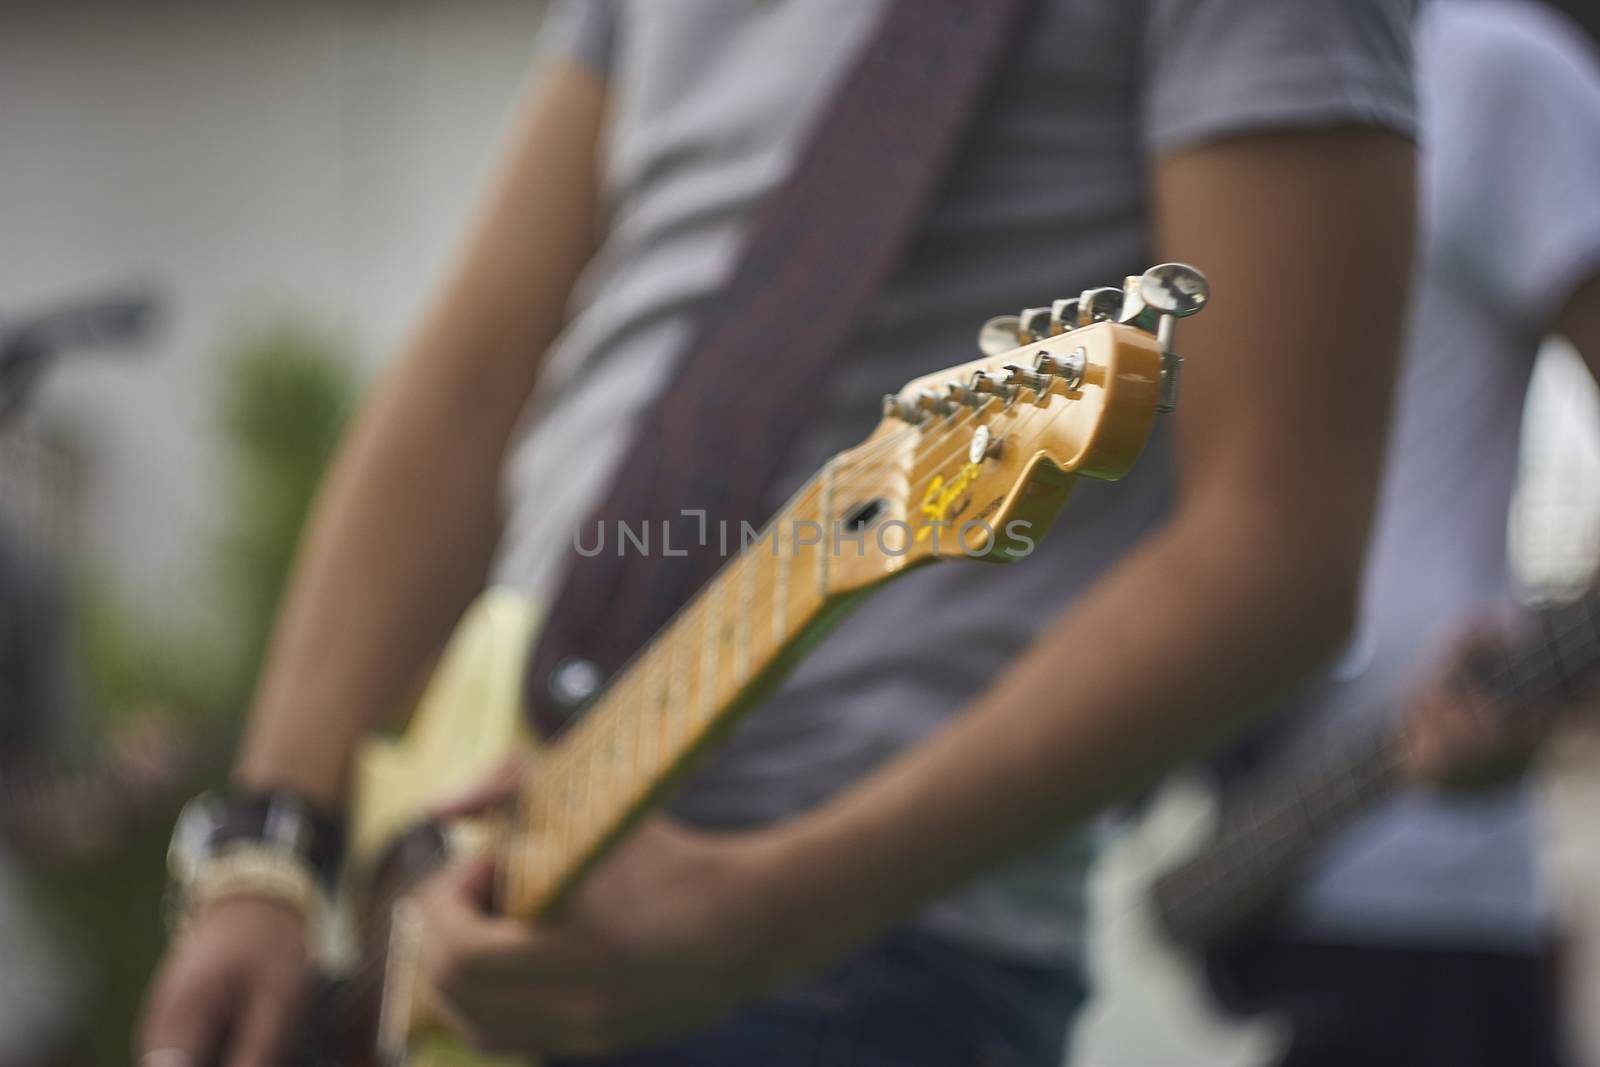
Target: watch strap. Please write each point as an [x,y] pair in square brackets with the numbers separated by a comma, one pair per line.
[282,822]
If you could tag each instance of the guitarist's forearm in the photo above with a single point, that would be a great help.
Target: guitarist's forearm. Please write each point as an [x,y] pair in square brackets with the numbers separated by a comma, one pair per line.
[404,529]
[391,558]
[1122,687]
[1251,582]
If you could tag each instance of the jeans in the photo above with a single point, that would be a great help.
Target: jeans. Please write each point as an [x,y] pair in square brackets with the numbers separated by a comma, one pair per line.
[910,1001]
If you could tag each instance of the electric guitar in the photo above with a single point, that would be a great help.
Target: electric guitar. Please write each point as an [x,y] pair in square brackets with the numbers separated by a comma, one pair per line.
[970,462]
[1203,864]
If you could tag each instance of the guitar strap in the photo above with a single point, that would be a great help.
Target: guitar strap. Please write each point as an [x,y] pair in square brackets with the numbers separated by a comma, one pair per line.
[816,253]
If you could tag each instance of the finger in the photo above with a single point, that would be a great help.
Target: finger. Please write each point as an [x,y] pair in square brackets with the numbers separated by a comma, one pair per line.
[498,789]
[466,945]
[183,1022]
[473,883]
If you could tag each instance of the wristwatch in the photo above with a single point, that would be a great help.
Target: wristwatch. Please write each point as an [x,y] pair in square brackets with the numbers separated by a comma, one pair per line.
[274,845]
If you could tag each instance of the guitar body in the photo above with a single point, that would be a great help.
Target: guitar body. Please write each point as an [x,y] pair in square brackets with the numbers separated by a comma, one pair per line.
[1151,1002]
[1198,869]
[468,720]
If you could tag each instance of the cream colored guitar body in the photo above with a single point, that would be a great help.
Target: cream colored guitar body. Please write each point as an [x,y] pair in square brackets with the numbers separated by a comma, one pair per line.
[1151,1003]
[468,720]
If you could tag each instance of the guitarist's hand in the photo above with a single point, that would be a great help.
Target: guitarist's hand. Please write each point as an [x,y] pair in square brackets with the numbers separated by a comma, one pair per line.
[663,938]
[229,992]
[1456,734]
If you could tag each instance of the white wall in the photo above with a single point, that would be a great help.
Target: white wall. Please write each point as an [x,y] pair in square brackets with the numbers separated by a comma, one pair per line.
[304,155]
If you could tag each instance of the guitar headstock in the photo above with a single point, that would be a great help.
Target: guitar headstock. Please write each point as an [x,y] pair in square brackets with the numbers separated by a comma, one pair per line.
[977,459]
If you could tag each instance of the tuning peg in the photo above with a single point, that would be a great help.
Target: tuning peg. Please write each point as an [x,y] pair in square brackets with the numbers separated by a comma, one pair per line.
[1034,324]
[1068,368]
[990,385]
[1099,305]
[960,394]
[930,401]
[1000,335]
[1017,374]
[1175,289]
[896,408]
[1064,315]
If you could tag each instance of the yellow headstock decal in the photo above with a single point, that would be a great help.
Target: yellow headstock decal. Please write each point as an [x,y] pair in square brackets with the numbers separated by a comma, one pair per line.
[944,500]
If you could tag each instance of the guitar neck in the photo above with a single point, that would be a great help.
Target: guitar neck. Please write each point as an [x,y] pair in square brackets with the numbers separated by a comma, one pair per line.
[1272,824]
[710,664]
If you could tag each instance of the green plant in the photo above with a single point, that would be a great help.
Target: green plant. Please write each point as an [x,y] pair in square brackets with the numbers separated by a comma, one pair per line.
[283,405]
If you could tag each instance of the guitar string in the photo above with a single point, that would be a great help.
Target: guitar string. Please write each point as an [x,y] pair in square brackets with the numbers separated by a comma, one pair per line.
[576,754]
[1342,770]
[1221,863]
[855,467]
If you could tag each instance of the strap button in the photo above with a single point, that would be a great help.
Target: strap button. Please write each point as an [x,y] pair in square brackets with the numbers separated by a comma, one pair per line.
[574,683]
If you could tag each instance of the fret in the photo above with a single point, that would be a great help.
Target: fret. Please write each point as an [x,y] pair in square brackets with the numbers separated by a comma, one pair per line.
[1533,672]
[623,738]
[1550,643]
[648,711]
[1576,642]
[710,651]
[747,602]
[780,579]
[678,687]
[587,820]
[1552,661]
[561,824]
[532,849]
[573,785]
[611,779]
[826,518]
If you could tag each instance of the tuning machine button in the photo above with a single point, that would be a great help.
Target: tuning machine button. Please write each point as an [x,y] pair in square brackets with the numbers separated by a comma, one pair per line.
[1000,335]
[1175,289]
[1172,291]
[1064,315]
[1035,324]
[1099,305]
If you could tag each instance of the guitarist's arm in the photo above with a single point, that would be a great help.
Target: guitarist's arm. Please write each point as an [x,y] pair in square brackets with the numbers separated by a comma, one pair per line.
[1251,583]
[402,535]
[400,542]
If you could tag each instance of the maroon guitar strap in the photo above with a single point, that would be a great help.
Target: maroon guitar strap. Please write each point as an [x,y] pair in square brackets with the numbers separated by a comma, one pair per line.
[816,253]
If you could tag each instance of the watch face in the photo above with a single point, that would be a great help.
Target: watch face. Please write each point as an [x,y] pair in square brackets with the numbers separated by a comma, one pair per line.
[191,837]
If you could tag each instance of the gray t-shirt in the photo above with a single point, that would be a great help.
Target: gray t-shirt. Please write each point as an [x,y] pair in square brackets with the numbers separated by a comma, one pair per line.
[710,100]
[1510,224]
